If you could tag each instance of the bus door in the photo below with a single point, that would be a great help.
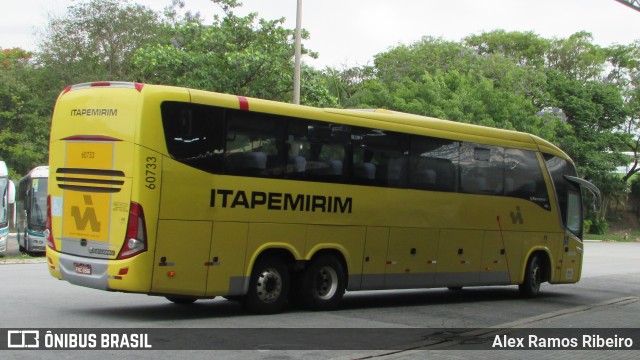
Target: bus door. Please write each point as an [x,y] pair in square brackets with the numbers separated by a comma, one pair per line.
[573,247]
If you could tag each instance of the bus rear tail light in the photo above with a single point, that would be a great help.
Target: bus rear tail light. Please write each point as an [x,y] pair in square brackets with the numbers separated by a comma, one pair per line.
[47,231]
[135,241]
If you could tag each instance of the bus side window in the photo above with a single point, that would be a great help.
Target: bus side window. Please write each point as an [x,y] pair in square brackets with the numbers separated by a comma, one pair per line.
[297,145]
[481,169]
[325,151]
[523,177]
[254,145]
[193,134]
[379,158]
[433,164]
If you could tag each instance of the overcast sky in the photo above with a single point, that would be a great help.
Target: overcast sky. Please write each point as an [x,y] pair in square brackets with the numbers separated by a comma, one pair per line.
[351,32]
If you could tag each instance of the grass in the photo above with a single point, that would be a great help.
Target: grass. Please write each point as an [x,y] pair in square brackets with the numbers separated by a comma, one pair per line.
[632,236]
[21,257]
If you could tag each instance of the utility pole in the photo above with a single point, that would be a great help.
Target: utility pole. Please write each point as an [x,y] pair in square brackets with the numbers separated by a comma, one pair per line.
[298,55]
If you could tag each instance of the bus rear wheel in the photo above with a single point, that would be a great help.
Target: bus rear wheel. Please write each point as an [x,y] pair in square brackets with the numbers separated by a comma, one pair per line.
[268,286]
[322,284]
[532,278]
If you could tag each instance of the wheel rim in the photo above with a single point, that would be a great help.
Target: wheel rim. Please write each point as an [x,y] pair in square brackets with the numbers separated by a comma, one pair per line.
[535,276]
[269,285]
[326,283]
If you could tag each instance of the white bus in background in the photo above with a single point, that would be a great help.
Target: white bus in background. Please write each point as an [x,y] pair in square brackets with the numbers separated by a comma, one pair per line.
[31,208]
[7,195]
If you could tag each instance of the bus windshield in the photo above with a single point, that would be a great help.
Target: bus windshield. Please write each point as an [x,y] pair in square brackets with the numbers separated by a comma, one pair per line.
[39,204]
[4,203]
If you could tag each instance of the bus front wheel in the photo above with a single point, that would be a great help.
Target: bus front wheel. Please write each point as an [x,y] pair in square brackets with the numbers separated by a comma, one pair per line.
[532,278]
[322,284]
[268,286]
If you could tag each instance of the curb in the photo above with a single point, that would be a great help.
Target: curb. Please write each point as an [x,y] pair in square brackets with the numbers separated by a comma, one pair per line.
[21,261]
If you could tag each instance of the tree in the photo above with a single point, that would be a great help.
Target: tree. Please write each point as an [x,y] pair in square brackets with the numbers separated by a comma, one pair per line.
[577,57]
[525,49]
[444,79]
[343,83]
[624,63]
[235,54]
[96,40]
[24,124]
[582,97]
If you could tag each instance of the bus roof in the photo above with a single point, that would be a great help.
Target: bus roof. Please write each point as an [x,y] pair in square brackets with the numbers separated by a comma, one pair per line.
[389,120]
[39,172]
[380,118]
[457,130]
[3,169]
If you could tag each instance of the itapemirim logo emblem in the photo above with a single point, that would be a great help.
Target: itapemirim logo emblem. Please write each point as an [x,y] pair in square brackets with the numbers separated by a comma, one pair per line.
[516,217]
[88,217]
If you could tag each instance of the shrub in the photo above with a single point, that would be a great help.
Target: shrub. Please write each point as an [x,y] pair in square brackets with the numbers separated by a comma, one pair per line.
[599,226]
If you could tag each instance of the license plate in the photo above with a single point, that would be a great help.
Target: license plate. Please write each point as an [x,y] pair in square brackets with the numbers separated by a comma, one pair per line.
[83,269]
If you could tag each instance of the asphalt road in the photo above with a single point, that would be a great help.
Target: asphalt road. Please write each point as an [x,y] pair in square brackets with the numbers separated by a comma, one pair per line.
[606,297]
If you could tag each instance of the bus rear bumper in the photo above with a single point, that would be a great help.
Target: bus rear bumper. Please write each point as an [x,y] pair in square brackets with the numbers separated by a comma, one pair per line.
[128,275]
[80,271]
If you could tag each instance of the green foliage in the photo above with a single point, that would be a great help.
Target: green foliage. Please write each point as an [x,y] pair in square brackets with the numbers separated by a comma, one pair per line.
[525,49]
[474,84]
[578,95]
[634,195]
[238,55]
[24,123]
[96,40]
[594,111]
[586,225]
[599,226]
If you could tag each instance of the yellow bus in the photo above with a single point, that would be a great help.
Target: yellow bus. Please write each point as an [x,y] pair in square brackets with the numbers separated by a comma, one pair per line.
[190,194]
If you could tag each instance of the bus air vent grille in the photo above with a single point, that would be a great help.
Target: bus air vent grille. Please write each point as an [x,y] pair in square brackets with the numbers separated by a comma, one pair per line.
[90,180]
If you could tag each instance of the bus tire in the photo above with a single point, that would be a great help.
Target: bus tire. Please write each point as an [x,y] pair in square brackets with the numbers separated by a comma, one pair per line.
[322,284]
[268,286]
[530,287]
[181,300]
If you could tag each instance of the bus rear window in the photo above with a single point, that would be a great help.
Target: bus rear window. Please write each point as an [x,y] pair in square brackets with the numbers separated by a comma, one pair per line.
[194,134]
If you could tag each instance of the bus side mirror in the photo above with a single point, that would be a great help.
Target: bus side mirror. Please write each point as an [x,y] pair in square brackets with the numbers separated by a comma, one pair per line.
[12,192]
[589,186]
